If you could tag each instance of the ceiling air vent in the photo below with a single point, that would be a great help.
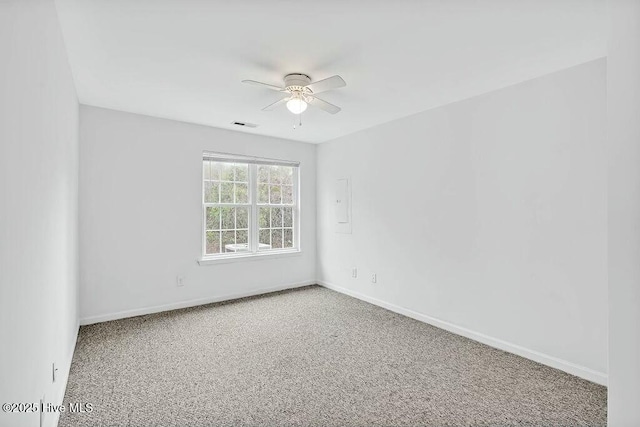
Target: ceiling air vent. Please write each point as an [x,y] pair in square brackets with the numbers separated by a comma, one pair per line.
[247,125]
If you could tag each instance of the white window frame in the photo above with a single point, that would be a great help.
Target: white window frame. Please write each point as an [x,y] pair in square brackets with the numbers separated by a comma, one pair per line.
[254,206]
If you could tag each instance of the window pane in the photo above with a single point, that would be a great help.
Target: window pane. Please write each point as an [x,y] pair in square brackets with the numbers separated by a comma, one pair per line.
[287,175]
[276,217]
[206,169]
[287,217]
[288,238]
[228,220]
[287,194]
[276,238]
[275,175]
[242,238]
[242,217]
[241,172]
[226,194]
[263,193]
[264,239]
[263,174]
[211,192]
[216,168]
[263,218]
[213,242]
[274,194]
[213,218]
[228,238]
[242,193]
[226,171]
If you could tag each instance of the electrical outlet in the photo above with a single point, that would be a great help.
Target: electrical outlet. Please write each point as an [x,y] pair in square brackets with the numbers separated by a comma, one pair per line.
[180,281]
[354,272]
[374,278]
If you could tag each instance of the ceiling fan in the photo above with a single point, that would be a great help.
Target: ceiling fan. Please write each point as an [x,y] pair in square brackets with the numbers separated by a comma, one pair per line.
[300,92]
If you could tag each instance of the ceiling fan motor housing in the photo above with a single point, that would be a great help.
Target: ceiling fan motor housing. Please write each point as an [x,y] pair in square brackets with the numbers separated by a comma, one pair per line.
[296,82]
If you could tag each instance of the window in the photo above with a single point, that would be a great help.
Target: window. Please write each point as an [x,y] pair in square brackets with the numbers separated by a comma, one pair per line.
[250,206]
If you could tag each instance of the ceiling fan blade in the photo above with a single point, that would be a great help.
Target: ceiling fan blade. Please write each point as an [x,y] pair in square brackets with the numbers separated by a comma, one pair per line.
[264,85]
[320,86]
[323,105]
[276,104]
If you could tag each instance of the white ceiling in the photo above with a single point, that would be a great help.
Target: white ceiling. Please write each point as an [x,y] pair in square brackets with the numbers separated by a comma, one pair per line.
[184,59]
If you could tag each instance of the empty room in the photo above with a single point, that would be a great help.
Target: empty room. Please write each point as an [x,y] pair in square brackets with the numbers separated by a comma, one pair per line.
[319,213]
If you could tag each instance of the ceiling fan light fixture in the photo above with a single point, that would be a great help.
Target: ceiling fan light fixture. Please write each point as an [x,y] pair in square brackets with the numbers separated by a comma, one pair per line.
[296,105]
[301,92]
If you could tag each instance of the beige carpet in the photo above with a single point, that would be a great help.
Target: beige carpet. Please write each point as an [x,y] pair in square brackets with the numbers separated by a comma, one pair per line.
[311,357]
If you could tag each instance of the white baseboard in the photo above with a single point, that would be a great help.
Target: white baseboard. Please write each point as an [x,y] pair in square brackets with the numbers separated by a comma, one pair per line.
[189,303]
[64,377]
[554,362]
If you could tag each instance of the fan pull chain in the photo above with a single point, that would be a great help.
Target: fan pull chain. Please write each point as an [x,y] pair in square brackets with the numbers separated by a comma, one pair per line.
[299,121]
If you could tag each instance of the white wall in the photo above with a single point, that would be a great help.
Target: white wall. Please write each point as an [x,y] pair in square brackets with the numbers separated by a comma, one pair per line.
[623,78]
[487,217]
[140,215]
[38,208]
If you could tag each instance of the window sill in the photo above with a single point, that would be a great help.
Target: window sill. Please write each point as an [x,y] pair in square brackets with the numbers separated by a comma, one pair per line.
[248,257]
